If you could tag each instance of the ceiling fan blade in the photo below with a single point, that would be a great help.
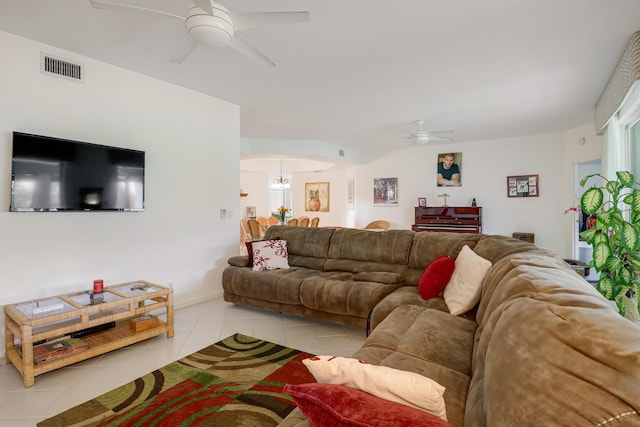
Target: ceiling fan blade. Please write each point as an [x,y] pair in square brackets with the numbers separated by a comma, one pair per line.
[438,138]
[204,5]
[246,20]
[183,51]
[104,4]
[438,132]
[242,46]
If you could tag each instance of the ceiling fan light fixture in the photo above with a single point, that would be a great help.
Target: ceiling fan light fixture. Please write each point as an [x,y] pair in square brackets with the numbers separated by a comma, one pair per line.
[210,30]
[421,139]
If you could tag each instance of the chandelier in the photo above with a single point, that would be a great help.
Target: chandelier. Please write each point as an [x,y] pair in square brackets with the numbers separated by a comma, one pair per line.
[281,181]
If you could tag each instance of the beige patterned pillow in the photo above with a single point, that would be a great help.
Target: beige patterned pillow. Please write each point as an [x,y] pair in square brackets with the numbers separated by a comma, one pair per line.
[270,255]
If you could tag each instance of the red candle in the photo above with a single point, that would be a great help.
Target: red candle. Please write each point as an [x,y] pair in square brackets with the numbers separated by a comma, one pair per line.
[98,286]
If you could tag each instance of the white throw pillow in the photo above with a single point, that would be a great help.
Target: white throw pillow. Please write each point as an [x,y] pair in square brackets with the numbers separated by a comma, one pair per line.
[270,255]
[465,286]
[407,388]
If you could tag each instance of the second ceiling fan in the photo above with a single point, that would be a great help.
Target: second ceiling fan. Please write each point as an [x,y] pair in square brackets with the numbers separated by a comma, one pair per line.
[422,136]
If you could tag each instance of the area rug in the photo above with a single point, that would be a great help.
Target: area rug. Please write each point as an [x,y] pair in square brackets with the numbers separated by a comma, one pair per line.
[235,382]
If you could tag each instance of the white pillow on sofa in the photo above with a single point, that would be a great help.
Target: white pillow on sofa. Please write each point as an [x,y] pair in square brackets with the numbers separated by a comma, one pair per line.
[270,255]
[465,286]
[407,388]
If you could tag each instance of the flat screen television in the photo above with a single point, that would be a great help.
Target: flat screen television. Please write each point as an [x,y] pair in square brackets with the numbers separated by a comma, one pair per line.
[52,174]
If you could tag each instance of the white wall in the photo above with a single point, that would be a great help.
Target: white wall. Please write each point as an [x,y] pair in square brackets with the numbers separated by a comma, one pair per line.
[485,167]
[484,170]
[192,147]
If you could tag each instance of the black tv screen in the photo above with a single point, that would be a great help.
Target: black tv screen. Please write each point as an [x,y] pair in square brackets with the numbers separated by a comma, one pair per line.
[52,174]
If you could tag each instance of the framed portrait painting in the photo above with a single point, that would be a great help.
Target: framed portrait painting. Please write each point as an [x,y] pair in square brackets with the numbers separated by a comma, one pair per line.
[316,196]
[449,170]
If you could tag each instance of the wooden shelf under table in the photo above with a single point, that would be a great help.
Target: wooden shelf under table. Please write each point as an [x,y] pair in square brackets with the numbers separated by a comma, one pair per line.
[75,317]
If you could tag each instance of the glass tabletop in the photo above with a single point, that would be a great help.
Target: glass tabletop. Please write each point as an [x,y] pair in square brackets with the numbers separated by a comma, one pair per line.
[44,308]
[88,298]
[136,288]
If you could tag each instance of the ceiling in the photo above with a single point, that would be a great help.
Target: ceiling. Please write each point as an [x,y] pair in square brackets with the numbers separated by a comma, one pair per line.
[361,72]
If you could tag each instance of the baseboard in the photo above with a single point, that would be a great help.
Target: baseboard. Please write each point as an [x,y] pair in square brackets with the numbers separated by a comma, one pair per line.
[186,302]
[182,303]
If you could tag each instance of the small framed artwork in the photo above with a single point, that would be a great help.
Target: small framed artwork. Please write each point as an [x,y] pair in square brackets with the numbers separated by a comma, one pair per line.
[523,186]
[251,212]
[385,191]
[422,202]
[351,194]
[316,196]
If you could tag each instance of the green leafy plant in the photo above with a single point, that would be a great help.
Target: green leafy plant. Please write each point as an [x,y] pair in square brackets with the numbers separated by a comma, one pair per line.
[615,239]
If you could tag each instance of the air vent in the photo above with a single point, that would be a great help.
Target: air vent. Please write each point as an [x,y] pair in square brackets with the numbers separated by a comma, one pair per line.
[61,68]
[341,153]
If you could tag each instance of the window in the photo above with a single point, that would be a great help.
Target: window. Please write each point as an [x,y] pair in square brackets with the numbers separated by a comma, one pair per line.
[623,136]
[279,196]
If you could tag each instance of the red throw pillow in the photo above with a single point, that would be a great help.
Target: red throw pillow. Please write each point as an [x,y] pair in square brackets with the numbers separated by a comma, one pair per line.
[249,246]
[332,405]
[436,276]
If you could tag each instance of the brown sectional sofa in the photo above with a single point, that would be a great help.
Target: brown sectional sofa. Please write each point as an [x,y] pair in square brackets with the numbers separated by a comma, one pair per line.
[541,348]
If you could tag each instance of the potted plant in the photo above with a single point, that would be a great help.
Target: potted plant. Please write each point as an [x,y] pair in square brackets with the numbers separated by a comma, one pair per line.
[615,238]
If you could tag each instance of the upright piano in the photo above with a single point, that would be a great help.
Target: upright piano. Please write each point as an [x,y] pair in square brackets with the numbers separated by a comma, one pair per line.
[453,219]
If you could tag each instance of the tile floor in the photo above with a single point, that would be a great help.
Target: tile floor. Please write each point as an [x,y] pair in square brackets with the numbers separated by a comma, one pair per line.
[195,327]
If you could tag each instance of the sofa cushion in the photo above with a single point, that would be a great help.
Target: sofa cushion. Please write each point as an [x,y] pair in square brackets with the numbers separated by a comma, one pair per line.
[405,295]
[337,292]
[379,277]
[330,405]
[431,343]
[361,250]
[407,388]
[436,276]
[428,246]
[463,290]
[278,286]
[307,246]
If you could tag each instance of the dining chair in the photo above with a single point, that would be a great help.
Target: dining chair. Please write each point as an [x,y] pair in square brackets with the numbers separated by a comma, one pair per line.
[263,224]
[303,221]
[272,220]
[245,233]
[315,221]
[293,222]
[379,224]
[254,229]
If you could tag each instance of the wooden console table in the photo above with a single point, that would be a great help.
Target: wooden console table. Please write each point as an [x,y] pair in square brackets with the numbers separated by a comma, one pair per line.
[75,312]
[452,219]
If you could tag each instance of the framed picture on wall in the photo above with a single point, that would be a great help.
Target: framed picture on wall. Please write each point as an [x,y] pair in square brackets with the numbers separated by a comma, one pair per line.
[523,186]
[449,170]
[316,196]
[422,202]
[251,212]
[351,196]
[385,191]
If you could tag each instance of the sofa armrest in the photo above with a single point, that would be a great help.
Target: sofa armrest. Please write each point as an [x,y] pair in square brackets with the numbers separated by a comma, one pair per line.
[239,261]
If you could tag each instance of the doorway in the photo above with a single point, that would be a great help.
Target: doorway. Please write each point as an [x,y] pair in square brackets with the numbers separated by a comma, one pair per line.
[581,250]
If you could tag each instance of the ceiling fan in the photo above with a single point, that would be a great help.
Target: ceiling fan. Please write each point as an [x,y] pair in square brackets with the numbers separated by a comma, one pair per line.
[421,136]
[210,24]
